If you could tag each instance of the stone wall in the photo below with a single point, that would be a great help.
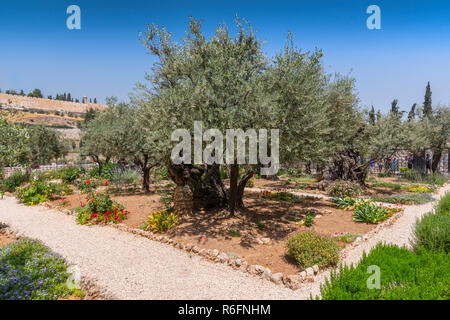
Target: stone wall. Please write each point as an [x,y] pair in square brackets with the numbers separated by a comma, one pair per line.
[14,101]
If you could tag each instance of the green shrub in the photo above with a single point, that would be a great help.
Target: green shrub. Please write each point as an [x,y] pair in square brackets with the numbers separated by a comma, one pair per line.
[416,198]
[94,173]
[13,181]
[386,173]
[422,177]
[161,221]
[87,186]
[370,213]
[405,275]
[108,170]
[40,191]
[309,219]
[404,170]
[342,189]
[235,232]
[443,206]
[309,248]
[163,173]
[70,174]
[436,179]
[433,231]
[125,177]
[30,271]
[223,172]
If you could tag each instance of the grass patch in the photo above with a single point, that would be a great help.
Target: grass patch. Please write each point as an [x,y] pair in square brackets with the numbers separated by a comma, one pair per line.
[404,275]
[433,230]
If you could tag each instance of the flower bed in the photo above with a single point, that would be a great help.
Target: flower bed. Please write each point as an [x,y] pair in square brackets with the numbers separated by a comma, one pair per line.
[100,209]
[29,270]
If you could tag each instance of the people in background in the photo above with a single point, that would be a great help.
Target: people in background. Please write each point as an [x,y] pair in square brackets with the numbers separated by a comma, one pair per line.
[410,162]
[428,164]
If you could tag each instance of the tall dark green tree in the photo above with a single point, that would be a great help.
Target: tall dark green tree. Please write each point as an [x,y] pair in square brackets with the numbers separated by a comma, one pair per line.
[427,109]
[394,107]
[412,113]
[372,115]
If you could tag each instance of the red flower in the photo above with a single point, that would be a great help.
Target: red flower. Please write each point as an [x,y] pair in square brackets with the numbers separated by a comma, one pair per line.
[106,183]
[87,181]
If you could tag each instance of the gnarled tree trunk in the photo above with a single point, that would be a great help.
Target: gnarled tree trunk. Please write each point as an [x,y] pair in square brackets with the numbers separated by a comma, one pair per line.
[347,166]
[205,183]
[435,161]
[208,190]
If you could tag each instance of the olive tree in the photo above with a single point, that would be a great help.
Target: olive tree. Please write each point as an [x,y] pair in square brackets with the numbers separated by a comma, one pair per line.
[217,81]
[25,146]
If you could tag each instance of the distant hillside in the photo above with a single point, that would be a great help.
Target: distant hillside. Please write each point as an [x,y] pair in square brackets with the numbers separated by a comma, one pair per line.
[15,101]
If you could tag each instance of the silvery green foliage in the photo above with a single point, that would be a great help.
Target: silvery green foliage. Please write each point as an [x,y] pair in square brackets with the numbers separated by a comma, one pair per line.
[22,146]
[216,80]
[227,82]
[14,146]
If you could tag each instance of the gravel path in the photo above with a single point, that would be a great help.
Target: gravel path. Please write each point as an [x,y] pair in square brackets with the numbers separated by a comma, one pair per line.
[127,266]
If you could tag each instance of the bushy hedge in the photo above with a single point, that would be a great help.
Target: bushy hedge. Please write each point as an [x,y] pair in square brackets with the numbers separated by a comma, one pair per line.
[70,174]
[309,248]
[13,181]
[404,275]
[433,230]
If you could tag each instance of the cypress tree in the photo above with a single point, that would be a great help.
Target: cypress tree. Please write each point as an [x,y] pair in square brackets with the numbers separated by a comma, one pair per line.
[412,112]
[372,115]
[394,106]
[427,109]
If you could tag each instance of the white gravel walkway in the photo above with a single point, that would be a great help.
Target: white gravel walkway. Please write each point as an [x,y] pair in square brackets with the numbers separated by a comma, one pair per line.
[127,266]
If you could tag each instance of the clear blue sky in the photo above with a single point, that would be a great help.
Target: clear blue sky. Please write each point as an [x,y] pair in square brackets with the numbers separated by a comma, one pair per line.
[105,58]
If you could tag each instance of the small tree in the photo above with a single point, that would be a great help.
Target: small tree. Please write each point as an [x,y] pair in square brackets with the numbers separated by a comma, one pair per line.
[412,112]
[25,146]
[437,132]
[427,108]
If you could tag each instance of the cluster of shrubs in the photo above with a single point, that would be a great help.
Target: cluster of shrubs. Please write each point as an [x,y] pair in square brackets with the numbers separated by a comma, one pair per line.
[421,273]
[37,189]
[365,210]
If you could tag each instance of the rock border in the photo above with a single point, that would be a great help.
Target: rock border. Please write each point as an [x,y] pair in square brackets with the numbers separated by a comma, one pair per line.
[293,281]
